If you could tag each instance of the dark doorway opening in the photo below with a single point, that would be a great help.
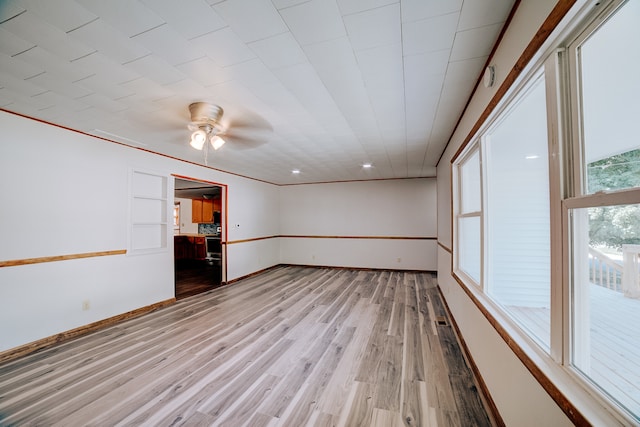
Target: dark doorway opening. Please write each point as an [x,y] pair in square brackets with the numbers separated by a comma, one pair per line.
[197,237]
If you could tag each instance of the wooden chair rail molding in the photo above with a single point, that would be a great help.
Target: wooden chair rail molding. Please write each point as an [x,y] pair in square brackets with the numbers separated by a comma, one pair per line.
[297,236]
[27,261]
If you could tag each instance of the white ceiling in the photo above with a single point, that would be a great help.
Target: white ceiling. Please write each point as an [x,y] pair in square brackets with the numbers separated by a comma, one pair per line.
[340,82]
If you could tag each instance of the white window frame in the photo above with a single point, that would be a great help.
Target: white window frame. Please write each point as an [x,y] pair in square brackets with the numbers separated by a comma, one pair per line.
[566,180]
[457,183]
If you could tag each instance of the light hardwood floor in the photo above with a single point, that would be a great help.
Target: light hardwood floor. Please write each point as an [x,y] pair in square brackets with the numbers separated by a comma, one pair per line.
[292,346]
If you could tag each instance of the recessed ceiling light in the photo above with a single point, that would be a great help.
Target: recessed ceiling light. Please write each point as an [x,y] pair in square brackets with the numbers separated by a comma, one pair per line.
[531,157]
[295,171]
[367,165]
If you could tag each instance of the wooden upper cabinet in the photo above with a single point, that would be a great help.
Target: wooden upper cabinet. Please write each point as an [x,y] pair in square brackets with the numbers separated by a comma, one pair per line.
[203,209]
[207,211]
[217,204]
[196,211]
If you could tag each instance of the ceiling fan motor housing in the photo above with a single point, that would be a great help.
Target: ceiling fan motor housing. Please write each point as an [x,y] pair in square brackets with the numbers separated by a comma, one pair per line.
[205,113]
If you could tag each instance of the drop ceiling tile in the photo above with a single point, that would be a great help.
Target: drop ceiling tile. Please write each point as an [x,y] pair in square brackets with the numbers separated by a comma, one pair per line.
[279,51]
[424,72]
[18,68]
[156,69]
[252,71]
[56,84]
[26,105]
[335,63]
[7,97]
[421,110]
[44,60]
[467,70]
[11,9]
[18,86]
[34,29]
[204,71]
[305,85]
[376,27]
[430,34]
[415,10]
[102,102]
[105,39]
[480,13]
[224,47]
[99,84]
[348,7]
[475,42]
[60,102]
[252,20]
[12,44]
[64,14]
[190,18]
[129,16]
[144,88]
[382,72]
[283,4]
[228,94]
[166,43]
[314,21]
[187,89]
[107,70]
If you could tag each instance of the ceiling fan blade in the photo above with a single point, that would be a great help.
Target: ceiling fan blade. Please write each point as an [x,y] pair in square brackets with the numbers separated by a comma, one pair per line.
[248,121]
[241,142]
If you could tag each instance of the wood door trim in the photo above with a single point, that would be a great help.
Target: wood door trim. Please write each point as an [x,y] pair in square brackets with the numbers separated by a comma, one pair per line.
[27,261]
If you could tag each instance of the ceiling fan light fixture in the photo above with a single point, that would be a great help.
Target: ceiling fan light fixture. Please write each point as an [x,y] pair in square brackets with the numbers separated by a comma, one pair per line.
[217,142]
[198,138]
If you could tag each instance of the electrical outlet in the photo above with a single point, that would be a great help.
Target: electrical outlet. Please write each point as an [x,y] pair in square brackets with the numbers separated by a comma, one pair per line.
[86,305]
[399,259]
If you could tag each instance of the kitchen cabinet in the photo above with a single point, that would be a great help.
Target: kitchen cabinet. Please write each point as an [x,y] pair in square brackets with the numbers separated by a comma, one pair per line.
[196,211]
[190,247]
[202,210]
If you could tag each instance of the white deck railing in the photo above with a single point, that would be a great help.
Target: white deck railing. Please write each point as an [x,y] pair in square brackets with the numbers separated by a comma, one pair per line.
[606,272]
[631,271]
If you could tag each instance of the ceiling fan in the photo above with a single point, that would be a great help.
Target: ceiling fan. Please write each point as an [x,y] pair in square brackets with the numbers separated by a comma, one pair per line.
[207,126]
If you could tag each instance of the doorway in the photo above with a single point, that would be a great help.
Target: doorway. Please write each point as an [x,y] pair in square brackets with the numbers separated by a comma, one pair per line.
[198,236]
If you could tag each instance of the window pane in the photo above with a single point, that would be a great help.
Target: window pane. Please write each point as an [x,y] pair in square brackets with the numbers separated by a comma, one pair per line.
[470,184]
[518,262]
[469,246]
[606,300]
[609,67]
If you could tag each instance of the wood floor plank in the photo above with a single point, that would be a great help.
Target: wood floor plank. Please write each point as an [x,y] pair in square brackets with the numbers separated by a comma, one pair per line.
[290,346]
[359,411]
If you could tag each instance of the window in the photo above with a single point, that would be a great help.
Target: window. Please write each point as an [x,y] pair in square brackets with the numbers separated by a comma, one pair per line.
[605,212]
[580,103]
[517,223]
[468,219]
[176,218]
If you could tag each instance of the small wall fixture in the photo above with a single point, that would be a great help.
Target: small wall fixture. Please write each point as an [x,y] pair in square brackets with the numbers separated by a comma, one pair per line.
[490,76]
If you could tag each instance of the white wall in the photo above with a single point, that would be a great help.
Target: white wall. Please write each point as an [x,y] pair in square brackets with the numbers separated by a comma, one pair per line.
[67,193]
[520,399]
[391,208]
